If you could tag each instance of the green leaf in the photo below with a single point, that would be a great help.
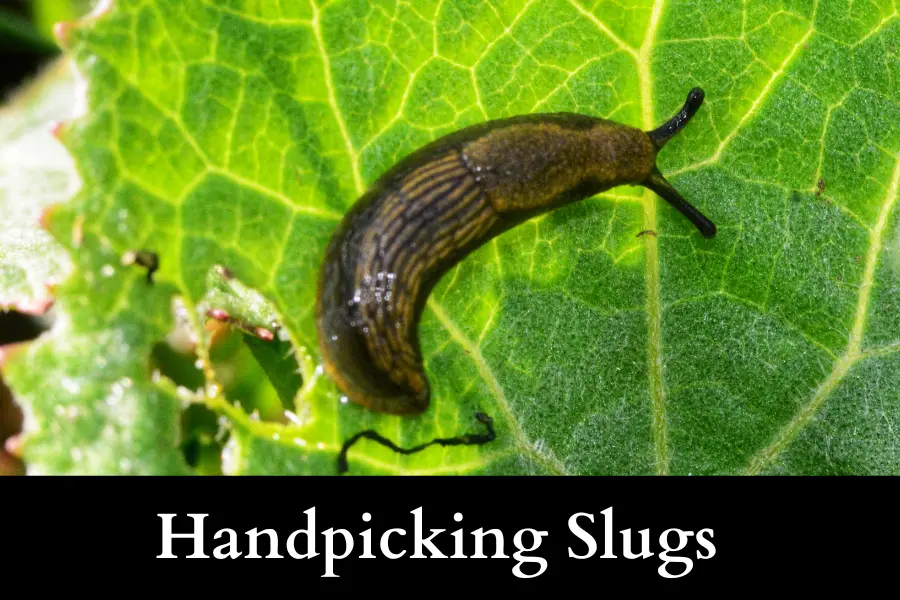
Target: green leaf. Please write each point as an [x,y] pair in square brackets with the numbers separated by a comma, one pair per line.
[36,172]
[47,13]
[238,133]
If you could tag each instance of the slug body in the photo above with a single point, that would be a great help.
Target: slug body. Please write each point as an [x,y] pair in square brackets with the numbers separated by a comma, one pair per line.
[440,204]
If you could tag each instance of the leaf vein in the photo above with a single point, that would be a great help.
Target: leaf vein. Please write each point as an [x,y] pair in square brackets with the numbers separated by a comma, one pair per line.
[659,422]
[853,353]
[754,107]
[606,30]
[474,351]
[332,100]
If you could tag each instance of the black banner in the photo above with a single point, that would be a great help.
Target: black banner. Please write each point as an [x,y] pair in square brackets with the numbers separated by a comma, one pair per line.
[461,533]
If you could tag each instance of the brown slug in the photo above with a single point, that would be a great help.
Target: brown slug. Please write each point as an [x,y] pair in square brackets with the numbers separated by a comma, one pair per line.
[442,202]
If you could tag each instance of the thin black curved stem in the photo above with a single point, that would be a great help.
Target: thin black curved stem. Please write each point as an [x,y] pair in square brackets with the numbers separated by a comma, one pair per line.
[470,439]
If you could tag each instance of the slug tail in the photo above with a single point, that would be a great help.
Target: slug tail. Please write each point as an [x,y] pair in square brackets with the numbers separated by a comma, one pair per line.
[667,130]
[658,184]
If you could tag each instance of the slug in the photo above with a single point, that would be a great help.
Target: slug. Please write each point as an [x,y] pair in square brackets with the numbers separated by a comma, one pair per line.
[441,203]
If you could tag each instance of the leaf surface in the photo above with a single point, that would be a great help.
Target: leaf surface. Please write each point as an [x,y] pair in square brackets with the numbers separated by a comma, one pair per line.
[238,132]
[36,172]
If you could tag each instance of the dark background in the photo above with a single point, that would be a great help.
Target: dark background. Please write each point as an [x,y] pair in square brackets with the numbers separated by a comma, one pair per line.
[24,48]
[770,534]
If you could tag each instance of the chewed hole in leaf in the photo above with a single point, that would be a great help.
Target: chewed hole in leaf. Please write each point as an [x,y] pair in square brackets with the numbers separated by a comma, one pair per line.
[177,365]
[279,364]
[176,359]
[237,372]
[257,375]
[252,358]
[252,371]
[204,438]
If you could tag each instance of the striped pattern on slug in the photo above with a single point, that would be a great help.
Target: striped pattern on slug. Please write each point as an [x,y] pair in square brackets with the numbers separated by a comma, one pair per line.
[441,203]
[384,272]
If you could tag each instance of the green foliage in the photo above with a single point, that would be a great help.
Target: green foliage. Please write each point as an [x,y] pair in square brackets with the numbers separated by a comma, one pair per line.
[238,132]
[47,13]
[36,172]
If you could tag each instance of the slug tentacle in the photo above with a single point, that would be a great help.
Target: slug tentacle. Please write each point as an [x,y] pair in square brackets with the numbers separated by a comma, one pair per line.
[667,130]
[658,184]
[655,180]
